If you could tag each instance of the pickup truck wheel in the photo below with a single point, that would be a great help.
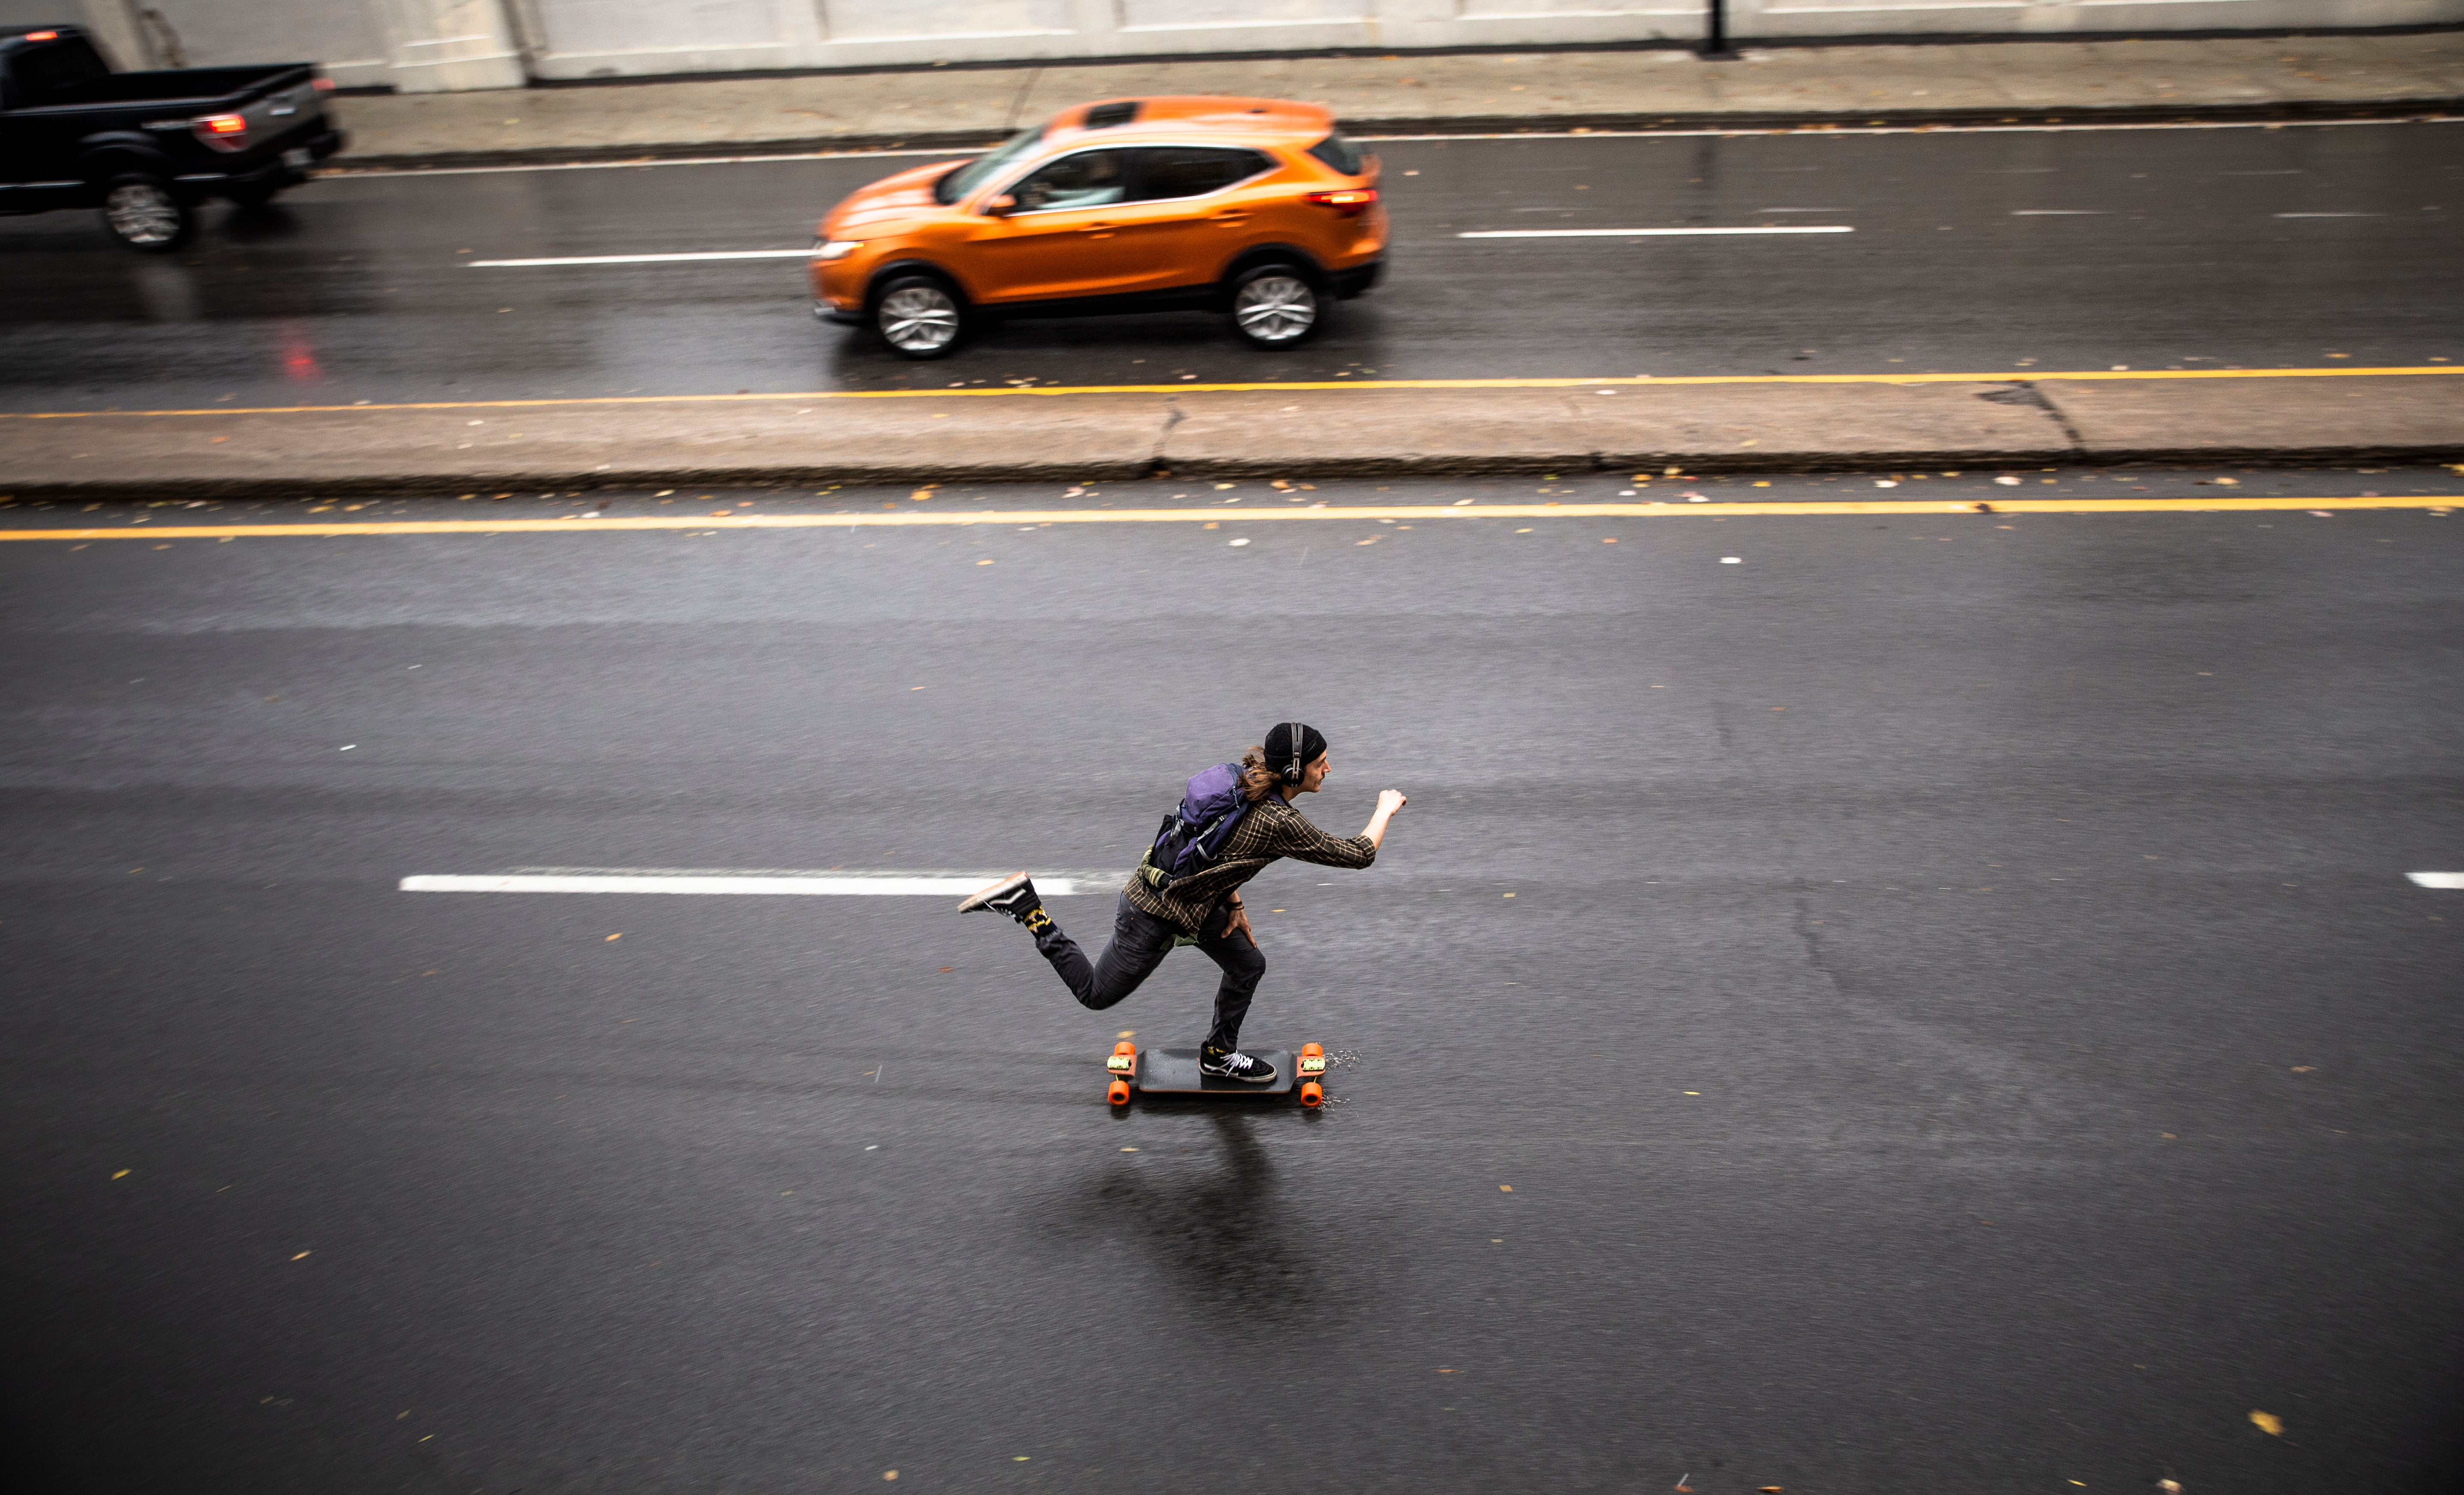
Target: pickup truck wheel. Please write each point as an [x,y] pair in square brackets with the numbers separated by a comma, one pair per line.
[920,316]
[143,213]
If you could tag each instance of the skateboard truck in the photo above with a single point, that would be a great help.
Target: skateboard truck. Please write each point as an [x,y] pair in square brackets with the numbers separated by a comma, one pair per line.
[1175,1072]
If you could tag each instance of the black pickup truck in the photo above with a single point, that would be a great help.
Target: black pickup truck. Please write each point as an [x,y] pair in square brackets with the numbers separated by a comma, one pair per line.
[148,147]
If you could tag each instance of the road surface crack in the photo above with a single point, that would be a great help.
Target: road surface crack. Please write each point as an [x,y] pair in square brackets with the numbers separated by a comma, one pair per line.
[2024,392]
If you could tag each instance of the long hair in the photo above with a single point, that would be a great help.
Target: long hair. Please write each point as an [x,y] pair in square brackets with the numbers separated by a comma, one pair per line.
[1256,779]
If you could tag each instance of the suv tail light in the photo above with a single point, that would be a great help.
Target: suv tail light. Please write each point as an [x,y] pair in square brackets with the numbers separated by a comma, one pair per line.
[221,131]
[324,85]
[1351,202]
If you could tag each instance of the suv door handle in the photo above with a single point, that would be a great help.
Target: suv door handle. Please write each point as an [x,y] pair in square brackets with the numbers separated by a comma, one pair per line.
[1096,231]
[1230,218]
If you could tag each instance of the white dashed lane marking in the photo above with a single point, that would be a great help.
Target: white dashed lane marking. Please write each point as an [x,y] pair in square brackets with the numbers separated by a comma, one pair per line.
[1636,234]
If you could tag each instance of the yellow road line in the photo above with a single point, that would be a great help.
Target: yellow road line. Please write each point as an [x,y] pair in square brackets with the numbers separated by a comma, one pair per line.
[2030,376]
[912,518]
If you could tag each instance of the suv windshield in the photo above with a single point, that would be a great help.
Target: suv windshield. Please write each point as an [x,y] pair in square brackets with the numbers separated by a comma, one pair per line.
[984,168]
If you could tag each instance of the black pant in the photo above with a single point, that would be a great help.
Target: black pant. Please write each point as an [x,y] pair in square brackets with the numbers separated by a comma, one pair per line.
[1139,943]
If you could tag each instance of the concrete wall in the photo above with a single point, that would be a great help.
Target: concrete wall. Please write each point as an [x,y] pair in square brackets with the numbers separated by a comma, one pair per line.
[436,45]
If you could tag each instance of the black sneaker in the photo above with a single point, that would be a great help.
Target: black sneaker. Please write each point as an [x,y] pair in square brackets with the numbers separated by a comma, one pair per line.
[1014,895]
[1230,1064]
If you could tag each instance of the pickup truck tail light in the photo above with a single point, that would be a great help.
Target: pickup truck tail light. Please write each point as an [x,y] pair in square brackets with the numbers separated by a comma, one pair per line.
[40,37]
[221,131]
[324,85]
[1351,202]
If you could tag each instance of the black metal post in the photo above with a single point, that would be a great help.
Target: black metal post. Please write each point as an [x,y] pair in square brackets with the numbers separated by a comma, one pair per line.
[1715,34]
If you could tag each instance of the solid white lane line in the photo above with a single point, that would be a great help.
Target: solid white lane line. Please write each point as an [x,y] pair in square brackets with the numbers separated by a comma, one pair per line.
[642,259]
[2061,212]
[2331,215]
[860,885]
[1836,131]
[634,163]
[1632,234]
[2431,879]
[346,171]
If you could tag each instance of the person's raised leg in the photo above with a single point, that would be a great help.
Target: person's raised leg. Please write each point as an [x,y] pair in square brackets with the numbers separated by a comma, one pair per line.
[1140,942]
[1244,965]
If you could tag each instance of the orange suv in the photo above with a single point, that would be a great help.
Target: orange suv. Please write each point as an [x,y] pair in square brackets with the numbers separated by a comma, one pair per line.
[1252,206]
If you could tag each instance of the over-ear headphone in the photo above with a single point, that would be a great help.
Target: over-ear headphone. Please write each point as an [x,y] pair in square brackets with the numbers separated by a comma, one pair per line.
[1292,773]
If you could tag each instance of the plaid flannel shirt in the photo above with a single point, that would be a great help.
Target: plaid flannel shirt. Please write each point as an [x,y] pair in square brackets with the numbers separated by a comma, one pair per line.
[1271,828]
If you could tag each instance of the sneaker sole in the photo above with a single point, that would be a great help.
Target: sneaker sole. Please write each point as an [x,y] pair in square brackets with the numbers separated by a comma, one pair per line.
[983,897]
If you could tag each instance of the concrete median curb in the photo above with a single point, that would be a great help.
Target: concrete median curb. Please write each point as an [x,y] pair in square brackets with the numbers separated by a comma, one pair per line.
[1429,429]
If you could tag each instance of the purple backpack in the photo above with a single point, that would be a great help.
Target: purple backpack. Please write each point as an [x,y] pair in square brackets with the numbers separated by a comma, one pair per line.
[1192,836]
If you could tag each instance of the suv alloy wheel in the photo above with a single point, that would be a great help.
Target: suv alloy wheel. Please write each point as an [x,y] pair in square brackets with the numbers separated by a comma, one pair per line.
[920,316]
[1274,306]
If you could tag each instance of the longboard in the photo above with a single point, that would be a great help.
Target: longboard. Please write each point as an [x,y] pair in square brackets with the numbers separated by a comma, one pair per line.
[1174,1071]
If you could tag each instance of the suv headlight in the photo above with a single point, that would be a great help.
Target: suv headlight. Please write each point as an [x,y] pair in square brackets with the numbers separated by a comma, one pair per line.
[835,248]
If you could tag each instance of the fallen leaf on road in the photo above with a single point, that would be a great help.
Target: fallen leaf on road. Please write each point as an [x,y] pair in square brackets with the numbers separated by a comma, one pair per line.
[612,939]
[2268,1424]
[2303,1069]
[1506,1187]
[2256,1416]
[947,969]
[2007,481]
[122,1173]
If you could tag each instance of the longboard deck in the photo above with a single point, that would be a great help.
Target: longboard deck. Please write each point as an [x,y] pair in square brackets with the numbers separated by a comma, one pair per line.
[1174,1071]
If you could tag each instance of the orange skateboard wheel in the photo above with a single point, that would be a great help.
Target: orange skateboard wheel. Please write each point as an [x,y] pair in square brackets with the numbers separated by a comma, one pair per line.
[1313,1096]
[1118,1092]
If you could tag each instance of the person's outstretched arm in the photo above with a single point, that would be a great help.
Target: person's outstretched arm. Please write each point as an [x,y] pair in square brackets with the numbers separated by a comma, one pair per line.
[1389,801]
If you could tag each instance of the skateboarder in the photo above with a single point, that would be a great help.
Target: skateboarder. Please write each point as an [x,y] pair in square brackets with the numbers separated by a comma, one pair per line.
[1205,907]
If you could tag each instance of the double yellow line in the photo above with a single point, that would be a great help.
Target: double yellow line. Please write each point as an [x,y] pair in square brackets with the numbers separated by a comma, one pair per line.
[1047,391]
[1221,515]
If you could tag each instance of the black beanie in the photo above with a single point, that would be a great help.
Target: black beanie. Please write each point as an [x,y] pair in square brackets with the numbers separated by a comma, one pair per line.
[1278,746]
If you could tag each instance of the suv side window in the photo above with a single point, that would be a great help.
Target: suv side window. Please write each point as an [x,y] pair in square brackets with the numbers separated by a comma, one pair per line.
[1087,179]
[1339,153]
[1167,171]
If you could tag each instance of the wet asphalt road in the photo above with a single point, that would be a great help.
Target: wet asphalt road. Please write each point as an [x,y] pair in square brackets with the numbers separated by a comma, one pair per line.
[1942,995]
[2297,246]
